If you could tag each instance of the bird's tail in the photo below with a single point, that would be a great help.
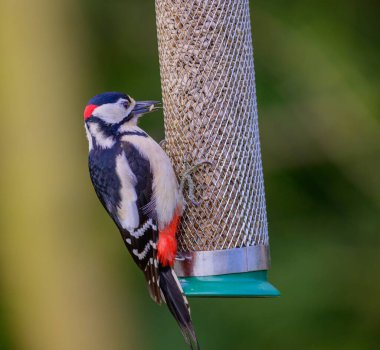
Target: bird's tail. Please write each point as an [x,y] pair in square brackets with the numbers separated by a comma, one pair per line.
[178,305]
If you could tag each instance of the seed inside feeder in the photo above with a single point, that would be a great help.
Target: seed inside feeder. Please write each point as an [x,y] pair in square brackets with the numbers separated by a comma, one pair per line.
[208,87]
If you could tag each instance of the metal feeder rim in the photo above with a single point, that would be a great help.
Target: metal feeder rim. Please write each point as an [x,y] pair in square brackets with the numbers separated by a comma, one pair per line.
[222,262]
[236,285]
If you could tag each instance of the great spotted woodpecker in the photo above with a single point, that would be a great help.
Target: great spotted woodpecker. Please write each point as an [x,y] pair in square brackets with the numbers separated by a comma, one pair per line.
[135,181]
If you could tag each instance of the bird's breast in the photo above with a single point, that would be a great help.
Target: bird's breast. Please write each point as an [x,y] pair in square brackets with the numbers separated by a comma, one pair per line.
[166,195]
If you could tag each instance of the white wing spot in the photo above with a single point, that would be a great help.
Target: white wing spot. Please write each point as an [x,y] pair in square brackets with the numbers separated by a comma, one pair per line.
[145,251]
[140,232]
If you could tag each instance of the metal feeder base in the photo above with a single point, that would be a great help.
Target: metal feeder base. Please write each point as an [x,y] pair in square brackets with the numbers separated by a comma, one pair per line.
[236,285]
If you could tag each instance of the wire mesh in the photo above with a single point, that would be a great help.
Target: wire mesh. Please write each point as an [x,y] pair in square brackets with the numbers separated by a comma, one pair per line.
[209,97]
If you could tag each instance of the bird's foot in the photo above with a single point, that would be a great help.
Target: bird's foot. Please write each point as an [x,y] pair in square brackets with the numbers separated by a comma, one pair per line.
[162,144]
[186,178]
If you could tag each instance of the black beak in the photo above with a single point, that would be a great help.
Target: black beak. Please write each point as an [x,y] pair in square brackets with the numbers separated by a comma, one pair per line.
[143,107]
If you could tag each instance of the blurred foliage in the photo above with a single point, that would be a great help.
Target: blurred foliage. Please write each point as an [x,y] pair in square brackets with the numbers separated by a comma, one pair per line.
[67,281]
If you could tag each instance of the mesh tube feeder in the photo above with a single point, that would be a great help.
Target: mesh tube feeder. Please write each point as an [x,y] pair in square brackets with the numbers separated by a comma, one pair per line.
[210,111]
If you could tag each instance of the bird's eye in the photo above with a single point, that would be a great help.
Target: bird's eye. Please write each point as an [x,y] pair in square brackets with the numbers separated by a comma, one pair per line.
[126,104]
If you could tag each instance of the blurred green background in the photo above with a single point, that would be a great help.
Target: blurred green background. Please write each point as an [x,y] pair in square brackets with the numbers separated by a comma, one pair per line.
[67,281]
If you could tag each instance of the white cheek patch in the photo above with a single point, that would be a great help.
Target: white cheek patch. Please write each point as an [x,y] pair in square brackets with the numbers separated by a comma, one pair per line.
[127,211]
[101,139]
[113,113]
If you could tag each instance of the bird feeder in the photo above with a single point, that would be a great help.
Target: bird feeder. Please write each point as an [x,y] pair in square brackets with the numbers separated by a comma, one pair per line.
[210,110]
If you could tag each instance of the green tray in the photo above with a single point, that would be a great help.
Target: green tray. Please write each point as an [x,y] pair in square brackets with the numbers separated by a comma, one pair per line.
[236,285]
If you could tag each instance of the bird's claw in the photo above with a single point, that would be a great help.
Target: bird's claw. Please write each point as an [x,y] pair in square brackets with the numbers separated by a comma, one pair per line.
[162,144]
[186,177]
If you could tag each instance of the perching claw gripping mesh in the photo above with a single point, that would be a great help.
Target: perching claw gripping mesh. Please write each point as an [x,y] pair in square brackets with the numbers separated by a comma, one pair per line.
[209,98]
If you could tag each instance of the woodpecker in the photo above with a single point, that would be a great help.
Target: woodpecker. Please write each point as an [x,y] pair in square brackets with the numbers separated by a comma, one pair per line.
[135,182]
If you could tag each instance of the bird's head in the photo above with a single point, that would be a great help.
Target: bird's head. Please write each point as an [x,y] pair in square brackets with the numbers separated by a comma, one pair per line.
[115,109]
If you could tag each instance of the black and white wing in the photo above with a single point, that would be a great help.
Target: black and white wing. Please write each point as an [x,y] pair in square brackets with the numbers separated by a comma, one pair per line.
[142,240]
[123,180]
